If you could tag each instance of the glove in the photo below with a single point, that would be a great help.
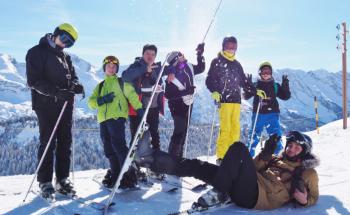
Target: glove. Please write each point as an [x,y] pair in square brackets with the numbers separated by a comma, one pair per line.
[250,79]
[285,81]
[140,112]
[216,96]
[77,88]
[65,95]
[298,183]
[200,49]
[191,89]
[269,147]
[108,98]
[261,94]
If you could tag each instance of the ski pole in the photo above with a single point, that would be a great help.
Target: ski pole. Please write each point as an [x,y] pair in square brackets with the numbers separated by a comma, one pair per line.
[316,114]
[188,125]
[46,149]
[254,124]
[212,20]
[212,130]
[130,156]
[73,144]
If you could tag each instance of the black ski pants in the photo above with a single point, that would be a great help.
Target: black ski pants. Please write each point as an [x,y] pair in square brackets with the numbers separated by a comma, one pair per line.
[112,134]
[236,175]
[60,146]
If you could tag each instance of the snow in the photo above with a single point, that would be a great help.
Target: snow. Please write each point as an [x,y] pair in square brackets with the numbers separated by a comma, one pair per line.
[331,145]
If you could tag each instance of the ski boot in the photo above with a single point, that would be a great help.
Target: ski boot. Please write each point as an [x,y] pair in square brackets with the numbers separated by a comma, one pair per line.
[211,198]
[109,181]
[65,187]
[47,191]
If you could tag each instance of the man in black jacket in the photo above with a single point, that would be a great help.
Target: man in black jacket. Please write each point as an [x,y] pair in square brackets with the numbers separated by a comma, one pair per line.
[53,81]
[140,78]
[179,91]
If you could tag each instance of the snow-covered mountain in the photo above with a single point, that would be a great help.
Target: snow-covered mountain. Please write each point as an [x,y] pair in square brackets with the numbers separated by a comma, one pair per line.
[326,86]
[331,145]
[19,131]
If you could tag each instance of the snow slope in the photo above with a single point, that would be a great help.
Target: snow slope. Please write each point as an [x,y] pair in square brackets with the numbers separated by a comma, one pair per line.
[332,146]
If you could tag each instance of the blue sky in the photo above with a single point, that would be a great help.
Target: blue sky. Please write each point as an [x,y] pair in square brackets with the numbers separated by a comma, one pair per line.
[297,34]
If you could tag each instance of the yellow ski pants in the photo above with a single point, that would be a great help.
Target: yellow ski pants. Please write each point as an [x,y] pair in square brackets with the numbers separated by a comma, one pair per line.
[230,129]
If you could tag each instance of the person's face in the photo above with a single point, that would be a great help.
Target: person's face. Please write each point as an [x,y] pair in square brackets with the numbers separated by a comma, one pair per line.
[110,69]
[59,42]
[149,56]
[266,73]
[293,149]
[230,47]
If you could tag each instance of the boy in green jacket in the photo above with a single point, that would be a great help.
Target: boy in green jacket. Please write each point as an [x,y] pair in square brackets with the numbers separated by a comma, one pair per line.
[112,110]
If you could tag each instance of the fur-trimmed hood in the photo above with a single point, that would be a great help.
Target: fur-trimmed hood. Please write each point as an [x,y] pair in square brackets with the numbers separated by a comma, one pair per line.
[310,161]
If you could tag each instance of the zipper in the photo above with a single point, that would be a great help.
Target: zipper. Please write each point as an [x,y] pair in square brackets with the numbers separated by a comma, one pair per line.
[106,108]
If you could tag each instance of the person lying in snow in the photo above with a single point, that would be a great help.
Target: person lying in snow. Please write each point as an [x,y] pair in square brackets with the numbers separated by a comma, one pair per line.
[267,182]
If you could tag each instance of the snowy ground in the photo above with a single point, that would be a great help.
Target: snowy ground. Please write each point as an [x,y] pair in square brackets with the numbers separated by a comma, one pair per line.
[332,146]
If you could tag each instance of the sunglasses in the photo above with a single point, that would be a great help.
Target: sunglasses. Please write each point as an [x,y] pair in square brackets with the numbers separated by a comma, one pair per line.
[67,40]
[111,60]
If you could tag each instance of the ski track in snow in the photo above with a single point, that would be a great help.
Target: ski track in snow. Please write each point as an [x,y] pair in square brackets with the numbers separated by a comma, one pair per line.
[331,145]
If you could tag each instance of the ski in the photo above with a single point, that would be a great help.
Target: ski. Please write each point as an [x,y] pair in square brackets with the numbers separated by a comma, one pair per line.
[189,186]
[143,184]
[198,208]
[51,202]
[132,151]
[80,200]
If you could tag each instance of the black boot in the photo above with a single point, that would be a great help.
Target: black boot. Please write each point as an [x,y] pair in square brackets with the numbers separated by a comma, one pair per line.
[109,180]
[65,187]
[46,190]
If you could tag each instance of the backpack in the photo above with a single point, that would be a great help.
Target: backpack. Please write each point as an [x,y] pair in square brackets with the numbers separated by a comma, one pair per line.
[100,85]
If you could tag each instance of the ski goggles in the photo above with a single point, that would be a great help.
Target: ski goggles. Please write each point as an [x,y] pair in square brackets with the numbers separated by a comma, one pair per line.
[111,59]
[66,39]
[176,58]
[297,137]
[266,72]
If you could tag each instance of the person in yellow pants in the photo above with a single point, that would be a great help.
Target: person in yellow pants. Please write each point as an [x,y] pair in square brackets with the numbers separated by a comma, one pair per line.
[225,80]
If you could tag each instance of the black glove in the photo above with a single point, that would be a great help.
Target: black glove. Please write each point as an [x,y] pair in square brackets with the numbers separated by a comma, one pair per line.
[65,95]
[191,89]
[298,183]
[200,49]
[285,81]
[77,88]
[140,112]
[269,147]
[105,99]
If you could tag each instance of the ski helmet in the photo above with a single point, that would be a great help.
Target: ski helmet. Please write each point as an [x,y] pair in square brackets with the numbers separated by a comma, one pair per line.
[264,64]
[173,57]
[110,59]
[228,39]
[67,28]
[302,139]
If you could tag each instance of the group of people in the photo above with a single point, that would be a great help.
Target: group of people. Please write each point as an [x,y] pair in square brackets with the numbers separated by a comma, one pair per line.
[270,180]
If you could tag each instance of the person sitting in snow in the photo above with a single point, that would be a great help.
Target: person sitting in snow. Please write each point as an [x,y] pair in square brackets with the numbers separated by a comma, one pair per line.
[179,91]
[266,91]
[267,182]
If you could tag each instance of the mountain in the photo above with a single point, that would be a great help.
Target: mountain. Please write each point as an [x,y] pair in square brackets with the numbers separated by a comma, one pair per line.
[19,130]
[331,145]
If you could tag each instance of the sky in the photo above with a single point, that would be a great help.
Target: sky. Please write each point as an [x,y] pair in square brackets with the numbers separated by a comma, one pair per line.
[297,34]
